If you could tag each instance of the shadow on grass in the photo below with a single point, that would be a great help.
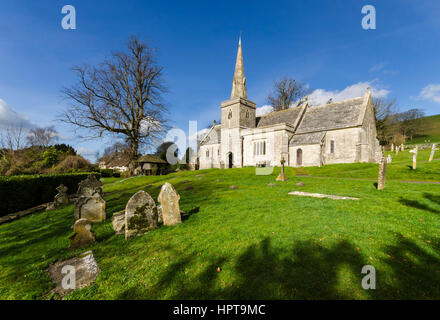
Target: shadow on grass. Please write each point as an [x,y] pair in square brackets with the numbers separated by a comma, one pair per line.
[306,271]
[435,199]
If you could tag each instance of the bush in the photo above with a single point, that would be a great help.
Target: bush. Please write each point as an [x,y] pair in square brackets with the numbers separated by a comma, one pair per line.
[22,192]
[73,163]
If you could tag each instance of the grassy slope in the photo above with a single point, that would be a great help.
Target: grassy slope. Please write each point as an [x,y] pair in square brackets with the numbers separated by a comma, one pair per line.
[268,244]
[429,130]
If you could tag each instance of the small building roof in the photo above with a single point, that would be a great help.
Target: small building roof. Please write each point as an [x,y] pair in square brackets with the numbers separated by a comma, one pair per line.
[283,116]
[151,158]
[308,138]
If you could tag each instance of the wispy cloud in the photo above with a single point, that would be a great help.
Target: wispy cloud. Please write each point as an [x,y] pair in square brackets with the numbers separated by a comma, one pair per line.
[10,118]
[431,92]
[264,110]
[321,96]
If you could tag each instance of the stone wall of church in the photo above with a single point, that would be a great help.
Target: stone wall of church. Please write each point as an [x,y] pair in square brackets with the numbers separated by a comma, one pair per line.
[275,146]
[308,156]
[369,143]
[231,143]
[209,156]
[346,146]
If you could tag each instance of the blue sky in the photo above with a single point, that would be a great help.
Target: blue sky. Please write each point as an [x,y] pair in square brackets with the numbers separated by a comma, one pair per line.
[320,43]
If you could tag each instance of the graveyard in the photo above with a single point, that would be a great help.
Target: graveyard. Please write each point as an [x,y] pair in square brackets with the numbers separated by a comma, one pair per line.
[243,236]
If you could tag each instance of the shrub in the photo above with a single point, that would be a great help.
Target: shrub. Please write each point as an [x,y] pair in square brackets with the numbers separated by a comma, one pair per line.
[73,163]
[23,192]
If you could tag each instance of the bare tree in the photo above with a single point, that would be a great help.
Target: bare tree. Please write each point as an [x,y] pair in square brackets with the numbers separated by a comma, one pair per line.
[386,119]
[286,92]
[12,137]
[122,96]
[42,137]
[408,126]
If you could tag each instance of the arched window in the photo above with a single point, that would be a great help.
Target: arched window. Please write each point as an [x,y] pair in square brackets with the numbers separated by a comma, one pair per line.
[230,114]
[247,114]
[299,157]
[332,146]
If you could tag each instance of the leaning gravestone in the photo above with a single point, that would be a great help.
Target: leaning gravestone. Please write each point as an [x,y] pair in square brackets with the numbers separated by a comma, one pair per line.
[90,204]
[382,173]
[433,149]
[73,274]
[140,215]
[169,201]
[83,234]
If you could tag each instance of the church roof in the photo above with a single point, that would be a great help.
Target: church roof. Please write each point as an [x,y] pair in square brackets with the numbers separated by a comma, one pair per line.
[284,116]
[213,136]
[307,138]
[338,115]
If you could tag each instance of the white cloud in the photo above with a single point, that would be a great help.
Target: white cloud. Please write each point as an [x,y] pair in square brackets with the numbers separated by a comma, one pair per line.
[10,118]
[85,151]
[321,96]
[264,110]
[431,92]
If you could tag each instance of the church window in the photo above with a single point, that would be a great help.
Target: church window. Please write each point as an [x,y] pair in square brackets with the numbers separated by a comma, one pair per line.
[247,114]
[259,148]
[207,154]
[332,146]
[230,114]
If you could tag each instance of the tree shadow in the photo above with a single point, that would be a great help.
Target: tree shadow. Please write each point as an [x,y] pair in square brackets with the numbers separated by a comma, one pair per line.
[422,206]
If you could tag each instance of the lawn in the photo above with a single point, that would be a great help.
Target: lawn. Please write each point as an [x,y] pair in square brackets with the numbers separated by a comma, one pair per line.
[268,244]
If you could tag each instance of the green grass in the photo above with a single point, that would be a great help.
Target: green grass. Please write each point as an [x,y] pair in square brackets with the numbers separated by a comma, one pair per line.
[268,244]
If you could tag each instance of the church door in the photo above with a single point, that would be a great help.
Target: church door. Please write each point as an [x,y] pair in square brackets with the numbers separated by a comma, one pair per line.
[230,160]
[299,157]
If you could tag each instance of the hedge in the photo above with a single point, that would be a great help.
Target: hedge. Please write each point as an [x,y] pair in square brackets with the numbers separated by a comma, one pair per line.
[23,192]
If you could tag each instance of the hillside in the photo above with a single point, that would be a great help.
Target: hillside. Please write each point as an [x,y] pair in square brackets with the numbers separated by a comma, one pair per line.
[267,244]
[429,130]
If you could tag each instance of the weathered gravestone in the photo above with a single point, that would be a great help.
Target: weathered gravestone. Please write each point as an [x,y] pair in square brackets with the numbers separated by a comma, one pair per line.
[415,151]
[433,149]
[140,215]
[397,150]
[389,159]
[83,234]
[392,147]
[169,201]
[73,274]
[382,173]
[61,197]
[90,204]
[118,222]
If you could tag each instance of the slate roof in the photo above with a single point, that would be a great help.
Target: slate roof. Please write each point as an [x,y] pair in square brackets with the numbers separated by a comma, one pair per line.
[284,116]
[307,138]
[332,116]
[151,158]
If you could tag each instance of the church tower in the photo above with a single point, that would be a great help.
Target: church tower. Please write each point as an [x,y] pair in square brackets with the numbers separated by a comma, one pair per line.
[237,114]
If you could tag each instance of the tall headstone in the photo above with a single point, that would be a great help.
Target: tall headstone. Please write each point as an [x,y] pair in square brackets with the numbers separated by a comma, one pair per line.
[415,151]
[433,149]
[397,150]
[389,159]
[282,176]
[83,234]
[392,147]
[140,215]
[90,204]
[382,173]
[169,201]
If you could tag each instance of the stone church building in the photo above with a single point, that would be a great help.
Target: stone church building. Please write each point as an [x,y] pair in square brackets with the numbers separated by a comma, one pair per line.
[340,132]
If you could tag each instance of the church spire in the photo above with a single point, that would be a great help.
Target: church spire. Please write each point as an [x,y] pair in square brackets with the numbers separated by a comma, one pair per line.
[239,82]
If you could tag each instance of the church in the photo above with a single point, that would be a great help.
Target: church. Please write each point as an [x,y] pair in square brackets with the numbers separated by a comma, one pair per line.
[340,132]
